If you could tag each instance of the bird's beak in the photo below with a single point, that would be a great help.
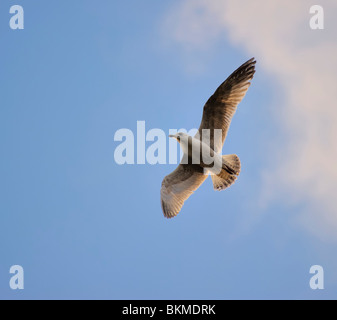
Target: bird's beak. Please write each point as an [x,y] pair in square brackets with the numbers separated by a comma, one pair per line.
[172,136]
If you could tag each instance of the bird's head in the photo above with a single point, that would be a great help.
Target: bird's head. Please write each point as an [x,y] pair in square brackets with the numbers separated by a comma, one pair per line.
[179,136]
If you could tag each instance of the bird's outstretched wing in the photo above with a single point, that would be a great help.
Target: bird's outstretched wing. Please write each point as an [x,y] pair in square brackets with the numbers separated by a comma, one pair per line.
[178,186]
[221,106]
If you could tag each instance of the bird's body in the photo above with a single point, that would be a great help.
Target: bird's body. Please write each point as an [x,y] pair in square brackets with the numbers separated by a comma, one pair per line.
[198,152]
[202,152]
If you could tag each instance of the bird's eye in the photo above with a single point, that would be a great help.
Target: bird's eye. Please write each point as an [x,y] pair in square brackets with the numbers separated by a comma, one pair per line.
[178,138]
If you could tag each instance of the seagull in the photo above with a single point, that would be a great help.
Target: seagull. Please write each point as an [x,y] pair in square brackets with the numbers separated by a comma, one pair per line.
[195,166]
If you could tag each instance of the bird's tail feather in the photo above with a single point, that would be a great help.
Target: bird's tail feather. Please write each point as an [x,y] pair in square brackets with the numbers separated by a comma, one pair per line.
[231,167]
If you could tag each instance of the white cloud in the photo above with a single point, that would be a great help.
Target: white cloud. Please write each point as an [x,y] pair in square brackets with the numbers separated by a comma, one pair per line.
[304,64]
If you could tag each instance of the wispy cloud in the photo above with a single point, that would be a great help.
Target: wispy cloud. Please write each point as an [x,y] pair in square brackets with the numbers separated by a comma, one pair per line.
[304,64]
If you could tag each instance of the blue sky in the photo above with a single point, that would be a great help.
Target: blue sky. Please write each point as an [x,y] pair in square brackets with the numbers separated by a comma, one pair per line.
[84,227]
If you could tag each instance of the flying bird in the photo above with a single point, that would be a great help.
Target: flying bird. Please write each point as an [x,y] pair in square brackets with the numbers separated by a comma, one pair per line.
[206,145]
